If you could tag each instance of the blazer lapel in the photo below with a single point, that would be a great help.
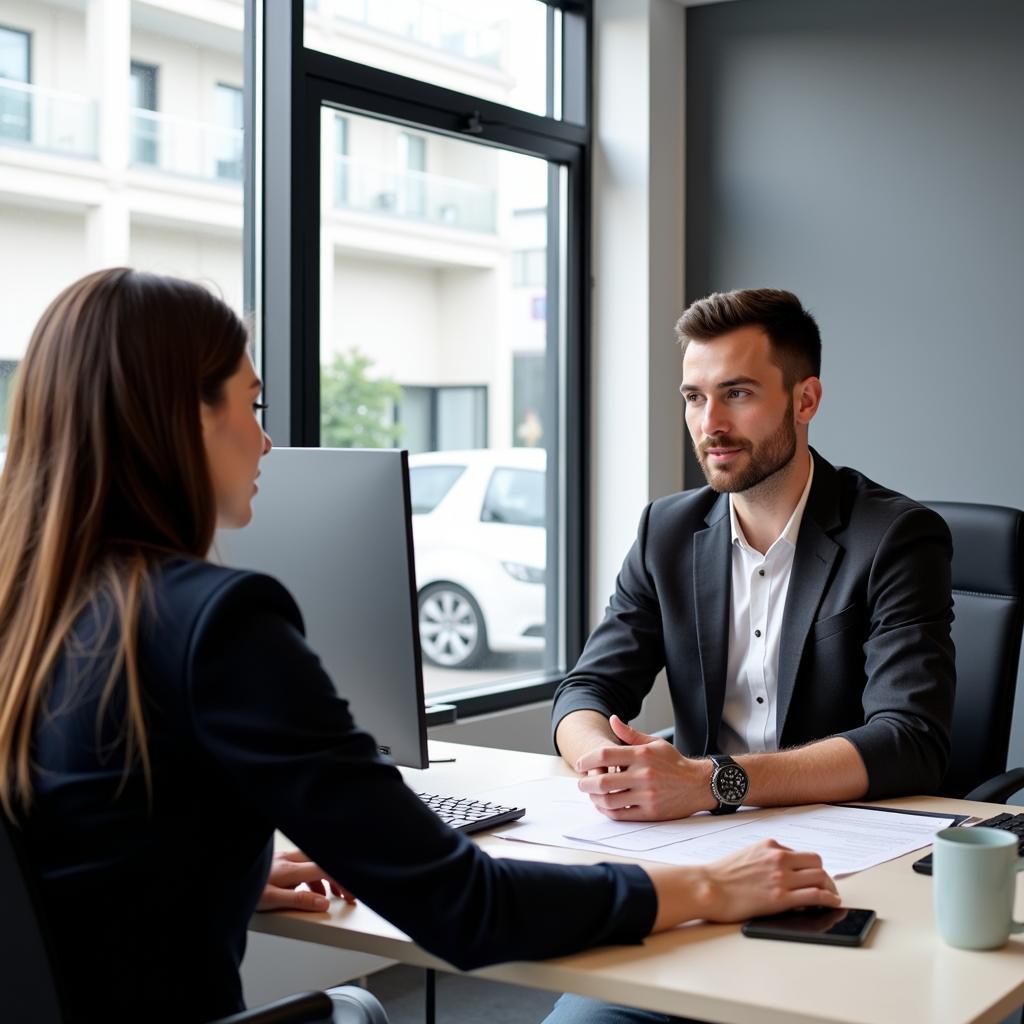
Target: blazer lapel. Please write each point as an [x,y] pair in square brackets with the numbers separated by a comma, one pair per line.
[712,589]
[815,555]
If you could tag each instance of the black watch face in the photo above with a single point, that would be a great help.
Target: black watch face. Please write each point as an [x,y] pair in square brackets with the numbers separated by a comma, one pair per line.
[731,784]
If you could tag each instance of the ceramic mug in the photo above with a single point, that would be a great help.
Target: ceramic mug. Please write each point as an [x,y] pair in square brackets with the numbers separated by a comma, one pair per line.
[975,880]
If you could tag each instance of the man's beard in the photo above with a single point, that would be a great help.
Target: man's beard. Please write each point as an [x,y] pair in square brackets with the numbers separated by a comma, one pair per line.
[765,459]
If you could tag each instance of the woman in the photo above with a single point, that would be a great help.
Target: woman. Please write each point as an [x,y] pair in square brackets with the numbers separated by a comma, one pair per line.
[160,715]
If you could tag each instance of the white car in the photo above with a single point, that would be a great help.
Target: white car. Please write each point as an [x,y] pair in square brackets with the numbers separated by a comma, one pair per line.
[479,537]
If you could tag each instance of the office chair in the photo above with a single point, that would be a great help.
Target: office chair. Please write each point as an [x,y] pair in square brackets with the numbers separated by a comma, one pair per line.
[988,570]
[31,991]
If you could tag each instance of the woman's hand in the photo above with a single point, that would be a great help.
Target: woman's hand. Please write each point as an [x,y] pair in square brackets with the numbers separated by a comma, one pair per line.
[765,878]
[292,869]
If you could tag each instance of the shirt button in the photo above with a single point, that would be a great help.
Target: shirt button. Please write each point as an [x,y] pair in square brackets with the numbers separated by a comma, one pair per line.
[760,572]
[757,632]
[760,700]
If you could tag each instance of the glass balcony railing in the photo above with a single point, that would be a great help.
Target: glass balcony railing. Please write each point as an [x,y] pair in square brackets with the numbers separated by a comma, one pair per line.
[189,149]
[45,119]
[427,24]
[414,195]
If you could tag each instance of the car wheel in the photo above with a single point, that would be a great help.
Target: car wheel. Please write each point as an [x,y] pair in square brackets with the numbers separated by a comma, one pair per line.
[452,631]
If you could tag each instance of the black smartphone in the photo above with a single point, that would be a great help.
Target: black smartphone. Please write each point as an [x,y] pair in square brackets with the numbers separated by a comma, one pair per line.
[836,926]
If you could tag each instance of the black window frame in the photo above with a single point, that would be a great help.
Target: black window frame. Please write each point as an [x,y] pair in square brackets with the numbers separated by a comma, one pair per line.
[282,252]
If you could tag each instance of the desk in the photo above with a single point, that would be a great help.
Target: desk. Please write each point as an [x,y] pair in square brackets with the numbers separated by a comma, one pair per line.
[904,974]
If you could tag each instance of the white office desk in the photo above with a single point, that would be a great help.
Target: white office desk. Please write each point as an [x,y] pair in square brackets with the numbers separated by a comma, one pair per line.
[904,974]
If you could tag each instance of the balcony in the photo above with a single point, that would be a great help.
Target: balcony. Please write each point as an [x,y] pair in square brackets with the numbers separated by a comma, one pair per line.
[414,196]
[426,24]
[47,120]
[187,149]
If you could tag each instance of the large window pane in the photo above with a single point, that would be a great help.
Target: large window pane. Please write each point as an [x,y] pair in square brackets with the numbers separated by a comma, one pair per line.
[424,316]
[496,50]
[174,162]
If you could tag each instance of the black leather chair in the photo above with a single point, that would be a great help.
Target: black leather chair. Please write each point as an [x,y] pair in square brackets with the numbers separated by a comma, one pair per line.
[988,570]
[30,991]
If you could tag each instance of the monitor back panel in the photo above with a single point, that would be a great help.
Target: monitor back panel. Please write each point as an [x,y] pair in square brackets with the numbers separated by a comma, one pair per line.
[334,527]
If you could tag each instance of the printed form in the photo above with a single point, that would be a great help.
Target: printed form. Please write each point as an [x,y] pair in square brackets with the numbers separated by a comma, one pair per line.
[848,839]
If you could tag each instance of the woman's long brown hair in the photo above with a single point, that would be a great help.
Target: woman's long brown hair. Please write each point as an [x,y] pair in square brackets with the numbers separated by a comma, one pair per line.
[106,473]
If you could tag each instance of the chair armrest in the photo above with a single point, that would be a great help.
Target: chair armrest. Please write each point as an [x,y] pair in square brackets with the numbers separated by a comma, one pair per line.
[306,1008]
[1000,789]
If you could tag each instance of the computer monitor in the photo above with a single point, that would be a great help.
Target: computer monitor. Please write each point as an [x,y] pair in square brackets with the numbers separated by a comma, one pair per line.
[334,526]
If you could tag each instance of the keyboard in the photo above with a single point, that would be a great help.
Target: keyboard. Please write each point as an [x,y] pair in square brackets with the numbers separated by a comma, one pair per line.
[1008,822]
[469,815]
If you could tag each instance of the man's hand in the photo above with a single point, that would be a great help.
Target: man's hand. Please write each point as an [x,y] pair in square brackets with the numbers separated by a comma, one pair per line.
[645,780]
[292,869]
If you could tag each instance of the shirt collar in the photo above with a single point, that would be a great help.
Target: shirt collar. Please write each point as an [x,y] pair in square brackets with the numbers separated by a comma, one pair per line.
[790,531]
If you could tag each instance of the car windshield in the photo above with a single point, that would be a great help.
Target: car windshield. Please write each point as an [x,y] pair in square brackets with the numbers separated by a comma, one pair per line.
[514,496]
[429,484]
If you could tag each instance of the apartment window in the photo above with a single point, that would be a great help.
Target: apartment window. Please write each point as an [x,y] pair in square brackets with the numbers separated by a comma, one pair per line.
[7,368]
[431,202]
[412,159]
[128,197]
[341,164]
[529,399]
[487,49]
[228,140]
[434,419]
[142,96]
[15,76]
[529,268]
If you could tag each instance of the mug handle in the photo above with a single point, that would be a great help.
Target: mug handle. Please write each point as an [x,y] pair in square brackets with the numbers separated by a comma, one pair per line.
[1017,927]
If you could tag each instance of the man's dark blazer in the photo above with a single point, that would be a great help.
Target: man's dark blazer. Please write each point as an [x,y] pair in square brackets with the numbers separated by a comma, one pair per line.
[865,651]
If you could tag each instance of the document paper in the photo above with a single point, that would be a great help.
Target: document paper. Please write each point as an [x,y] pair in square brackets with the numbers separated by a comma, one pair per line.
[848,839]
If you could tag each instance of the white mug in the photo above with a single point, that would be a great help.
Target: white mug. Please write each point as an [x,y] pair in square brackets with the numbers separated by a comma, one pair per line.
[975,880]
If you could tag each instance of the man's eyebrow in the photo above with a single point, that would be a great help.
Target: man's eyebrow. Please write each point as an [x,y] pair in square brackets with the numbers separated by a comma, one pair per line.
[733,382]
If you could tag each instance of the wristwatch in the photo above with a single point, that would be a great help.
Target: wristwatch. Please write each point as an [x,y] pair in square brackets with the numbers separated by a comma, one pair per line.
[728,784]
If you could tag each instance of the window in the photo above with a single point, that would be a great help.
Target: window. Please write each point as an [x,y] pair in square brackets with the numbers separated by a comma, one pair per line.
[412,198]
[493,49]
[15,76]
[529,268]
[145,127]
[515,497]
[429,484]
[428,269]
[139,194]
[436,419]
[228,142]
[528,399]
[341,175]
[7,369]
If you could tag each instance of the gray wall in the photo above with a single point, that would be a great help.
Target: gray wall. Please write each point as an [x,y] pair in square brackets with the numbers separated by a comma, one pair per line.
[869,155]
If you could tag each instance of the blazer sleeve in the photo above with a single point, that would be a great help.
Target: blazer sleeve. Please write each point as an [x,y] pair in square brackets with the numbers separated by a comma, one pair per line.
[266,714]
[625,652]
[909,659]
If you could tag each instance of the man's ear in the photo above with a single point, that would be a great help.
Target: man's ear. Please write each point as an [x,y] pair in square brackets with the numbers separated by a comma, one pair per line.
[806,399]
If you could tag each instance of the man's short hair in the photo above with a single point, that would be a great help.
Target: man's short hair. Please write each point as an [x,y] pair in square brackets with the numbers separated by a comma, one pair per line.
[792,331]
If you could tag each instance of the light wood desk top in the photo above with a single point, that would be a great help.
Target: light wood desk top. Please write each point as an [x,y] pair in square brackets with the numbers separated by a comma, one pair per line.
[903,974]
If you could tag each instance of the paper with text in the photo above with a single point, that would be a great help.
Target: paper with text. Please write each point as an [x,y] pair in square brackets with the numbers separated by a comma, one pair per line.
[848,839]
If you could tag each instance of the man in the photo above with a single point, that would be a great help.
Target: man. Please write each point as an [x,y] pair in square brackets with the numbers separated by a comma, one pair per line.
[801,612]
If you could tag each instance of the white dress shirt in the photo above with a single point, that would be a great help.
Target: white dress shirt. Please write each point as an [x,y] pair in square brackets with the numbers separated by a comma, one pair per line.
[759,587]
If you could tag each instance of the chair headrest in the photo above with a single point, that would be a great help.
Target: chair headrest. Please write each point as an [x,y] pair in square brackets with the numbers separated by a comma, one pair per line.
[987,546]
